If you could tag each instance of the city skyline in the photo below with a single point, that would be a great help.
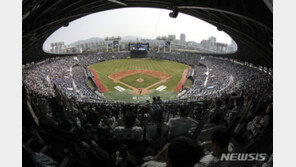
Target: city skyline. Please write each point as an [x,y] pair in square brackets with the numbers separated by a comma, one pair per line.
[147,23]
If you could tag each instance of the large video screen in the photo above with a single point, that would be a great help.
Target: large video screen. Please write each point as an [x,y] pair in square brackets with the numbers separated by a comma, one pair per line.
[139,46]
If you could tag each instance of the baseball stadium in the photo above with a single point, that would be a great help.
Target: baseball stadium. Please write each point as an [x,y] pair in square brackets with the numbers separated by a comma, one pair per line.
[160,102]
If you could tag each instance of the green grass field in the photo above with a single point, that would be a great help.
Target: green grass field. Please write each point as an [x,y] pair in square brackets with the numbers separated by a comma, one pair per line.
[106,68]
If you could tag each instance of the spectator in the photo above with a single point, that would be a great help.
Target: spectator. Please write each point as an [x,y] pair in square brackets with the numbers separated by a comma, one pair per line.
[259,123]
[154,100]
[129,131]
[157,132]
[219,144]
[158,100]
[231,115]
[180,125]
[216,113]
[180,152]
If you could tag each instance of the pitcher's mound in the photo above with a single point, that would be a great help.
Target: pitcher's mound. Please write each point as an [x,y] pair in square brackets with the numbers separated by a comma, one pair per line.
[140,80]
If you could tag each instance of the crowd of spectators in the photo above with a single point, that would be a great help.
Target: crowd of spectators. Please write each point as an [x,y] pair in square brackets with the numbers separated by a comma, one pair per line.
[186,58]
[199,77]
[121,134]
[224,76]
[68,73]
[62,129]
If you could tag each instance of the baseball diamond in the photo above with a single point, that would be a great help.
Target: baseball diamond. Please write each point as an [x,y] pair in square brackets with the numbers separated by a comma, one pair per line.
[139,77]
[128,78]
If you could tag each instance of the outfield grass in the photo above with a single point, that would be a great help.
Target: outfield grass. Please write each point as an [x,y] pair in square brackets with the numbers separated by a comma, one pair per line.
[106,68]
[132,80]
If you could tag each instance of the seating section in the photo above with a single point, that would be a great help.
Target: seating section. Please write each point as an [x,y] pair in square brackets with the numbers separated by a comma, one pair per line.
[62,128]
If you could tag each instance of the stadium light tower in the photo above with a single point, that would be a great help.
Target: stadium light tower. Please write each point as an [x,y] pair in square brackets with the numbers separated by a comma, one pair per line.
[115,43]
[167,42]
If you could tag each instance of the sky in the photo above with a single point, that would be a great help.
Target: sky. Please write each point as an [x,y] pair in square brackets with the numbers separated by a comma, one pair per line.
[143,22]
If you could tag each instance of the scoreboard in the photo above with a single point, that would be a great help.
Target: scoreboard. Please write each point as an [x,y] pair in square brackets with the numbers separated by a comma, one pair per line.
[138,46]
[138,50]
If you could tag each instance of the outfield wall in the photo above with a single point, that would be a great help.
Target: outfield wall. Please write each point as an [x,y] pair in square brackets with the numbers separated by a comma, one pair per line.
[139,54]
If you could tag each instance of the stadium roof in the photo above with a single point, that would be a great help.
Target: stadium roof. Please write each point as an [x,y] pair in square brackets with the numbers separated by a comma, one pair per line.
[248,22]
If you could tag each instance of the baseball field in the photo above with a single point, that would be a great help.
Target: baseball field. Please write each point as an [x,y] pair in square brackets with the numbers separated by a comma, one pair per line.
[139,79]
